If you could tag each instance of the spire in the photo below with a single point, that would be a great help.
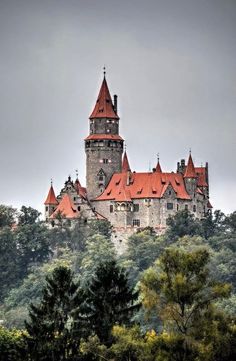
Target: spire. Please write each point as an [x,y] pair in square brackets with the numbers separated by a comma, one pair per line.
[104,107]
[158,166]
[190,170]
[125,164]
[51,198]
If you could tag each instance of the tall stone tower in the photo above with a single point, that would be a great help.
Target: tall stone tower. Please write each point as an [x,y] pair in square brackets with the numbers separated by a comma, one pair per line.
[104,145]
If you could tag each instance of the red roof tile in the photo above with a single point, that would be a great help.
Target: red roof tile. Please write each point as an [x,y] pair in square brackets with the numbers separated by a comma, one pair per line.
[190,170]
[104,136]
[143,185]
[104,106]
[81,191]
[66,208]
[201,174]
[125,163]
[51,198]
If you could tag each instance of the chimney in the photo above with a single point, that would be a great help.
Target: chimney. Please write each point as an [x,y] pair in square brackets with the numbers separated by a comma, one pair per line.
[115,103]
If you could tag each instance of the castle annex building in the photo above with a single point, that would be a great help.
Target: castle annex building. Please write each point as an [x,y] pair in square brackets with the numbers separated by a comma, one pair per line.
[115,192]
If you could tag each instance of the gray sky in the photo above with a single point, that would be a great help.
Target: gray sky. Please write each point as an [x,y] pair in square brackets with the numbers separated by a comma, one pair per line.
[171,62]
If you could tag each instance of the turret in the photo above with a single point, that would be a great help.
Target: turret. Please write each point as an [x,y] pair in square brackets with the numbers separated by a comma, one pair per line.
[190,177]
[50,203]
[104,145]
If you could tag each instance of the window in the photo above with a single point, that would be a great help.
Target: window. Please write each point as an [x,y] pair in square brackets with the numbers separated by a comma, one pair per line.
[136,207]
[186,207]
[111,208]
[74,199]
[169,206]
[46,208]
[101,178]
[78,208]
[194,208]
[170,193]
[105,161]
[177,207]
[136,222]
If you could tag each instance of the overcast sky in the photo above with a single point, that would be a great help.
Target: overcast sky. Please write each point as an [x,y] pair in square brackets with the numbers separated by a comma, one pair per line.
[171,62]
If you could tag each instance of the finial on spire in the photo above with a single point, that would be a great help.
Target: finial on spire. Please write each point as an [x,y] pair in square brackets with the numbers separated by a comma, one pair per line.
[104,70]
[190,151]
[125,146]
[77,173]
[51,181]
[158,157]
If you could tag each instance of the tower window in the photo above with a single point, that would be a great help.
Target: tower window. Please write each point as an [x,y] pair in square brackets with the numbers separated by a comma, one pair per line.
[169,206]
[194,208]
[46,209]
[136,207]
[111,208]
[78,208]
[105,161]
[186,207]
[136,222]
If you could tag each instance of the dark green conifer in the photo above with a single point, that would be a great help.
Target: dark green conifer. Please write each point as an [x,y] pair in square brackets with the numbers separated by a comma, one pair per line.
[49,327]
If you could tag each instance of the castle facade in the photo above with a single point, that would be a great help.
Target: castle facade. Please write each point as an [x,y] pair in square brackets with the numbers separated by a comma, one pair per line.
[128,199]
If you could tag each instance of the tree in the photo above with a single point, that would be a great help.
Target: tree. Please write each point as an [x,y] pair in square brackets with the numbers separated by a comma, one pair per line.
[230,222]
[181,224]
[32,245]
[49,327]
[12,345]
[182,287]
[7,215]
[9,262]
[108,301]
[28,215]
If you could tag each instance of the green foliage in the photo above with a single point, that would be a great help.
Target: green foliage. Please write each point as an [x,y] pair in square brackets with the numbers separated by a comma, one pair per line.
[143,249]
[50,322]
[108,300]
[28,215]
[18,299]
[9,262]
[181,224]
[12,345]
[7,216]
[181,288]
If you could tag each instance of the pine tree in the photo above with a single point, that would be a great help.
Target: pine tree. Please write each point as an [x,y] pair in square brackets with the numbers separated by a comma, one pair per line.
[49,327]
[108,301]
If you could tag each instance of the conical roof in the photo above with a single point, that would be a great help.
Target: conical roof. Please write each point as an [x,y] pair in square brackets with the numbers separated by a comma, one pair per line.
[66,208]
[104,107]
[51,198]
[158,167]
[125,163]
[190,170]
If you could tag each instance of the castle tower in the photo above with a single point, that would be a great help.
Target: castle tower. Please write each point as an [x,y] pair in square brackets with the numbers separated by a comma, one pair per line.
[51,203]
[104,145]
[190,177]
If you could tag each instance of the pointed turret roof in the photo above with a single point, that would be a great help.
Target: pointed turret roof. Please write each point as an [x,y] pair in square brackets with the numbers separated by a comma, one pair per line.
[125,163]
[158,167]
[66,208]
[104,107]
[190,170]
[51,198]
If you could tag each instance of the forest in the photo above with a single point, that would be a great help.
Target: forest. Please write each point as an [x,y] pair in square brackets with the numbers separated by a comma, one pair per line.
[65,294]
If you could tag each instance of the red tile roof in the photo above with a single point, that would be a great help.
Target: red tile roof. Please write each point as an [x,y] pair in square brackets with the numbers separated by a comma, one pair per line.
[81,191]
[51,198]
[66,208]
[143,185]
[209,204]
[104,106]
[201,174]
[190,170]
[104,136]
[125,163]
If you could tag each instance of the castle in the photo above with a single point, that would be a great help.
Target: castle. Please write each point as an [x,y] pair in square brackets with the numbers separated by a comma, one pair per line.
[128,199]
